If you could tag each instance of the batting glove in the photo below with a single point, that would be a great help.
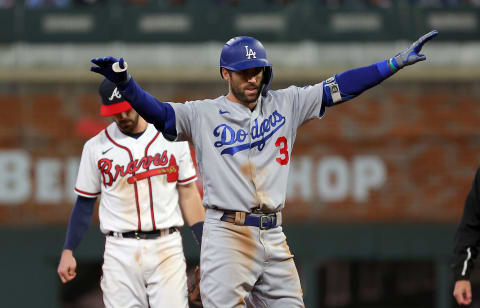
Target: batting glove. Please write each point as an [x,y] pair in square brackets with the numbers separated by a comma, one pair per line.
[411,55]
[113,69]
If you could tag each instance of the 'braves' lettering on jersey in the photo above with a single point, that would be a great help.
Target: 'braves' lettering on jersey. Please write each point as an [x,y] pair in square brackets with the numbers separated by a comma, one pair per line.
[105,166]
[137,179]
[243,154]
[264,131]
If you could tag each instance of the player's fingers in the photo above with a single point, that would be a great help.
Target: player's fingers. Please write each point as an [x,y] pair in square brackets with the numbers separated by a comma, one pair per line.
[467,295]
[197,272]
[121,63]
[95,69]
[71,272]
[463,301]
[430,35]
[427,37]
[68,277]
[459,299]
[61,274]
[103,61]
[61,269]
[96,61]
[463,297]
[110,60]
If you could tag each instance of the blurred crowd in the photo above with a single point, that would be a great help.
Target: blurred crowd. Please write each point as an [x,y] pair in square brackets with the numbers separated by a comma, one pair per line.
[46,3]
[326,3]
[390,3]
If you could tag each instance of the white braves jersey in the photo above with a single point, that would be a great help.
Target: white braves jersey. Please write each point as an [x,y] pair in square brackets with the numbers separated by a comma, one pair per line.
[137,179]
[244,155]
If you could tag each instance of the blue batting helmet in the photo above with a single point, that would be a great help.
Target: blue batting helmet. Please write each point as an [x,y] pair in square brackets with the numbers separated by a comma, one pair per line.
[244,52]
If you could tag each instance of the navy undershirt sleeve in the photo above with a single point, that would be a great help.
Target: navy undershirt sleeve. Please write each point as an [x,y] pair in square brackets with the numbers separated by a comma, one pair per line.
[79,221]
[353,82]
[148,107]
[197,230]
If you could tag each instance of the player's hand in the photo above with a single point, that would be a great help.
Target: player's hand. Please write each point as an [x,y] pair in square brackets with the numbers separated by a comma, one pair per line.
[412,54]
[113,69]
[193,285]
[67,266]
[463,292]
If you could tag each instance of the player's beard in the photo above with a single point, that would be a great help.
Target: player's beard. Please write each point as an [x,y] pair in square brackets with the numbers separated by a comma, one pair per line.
[128,126]
[239,93]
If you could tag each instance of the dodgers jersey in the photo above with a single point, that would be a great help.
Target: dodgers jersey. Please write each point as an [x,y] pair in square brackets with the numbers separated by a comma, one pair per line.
[136,178]
[243,155]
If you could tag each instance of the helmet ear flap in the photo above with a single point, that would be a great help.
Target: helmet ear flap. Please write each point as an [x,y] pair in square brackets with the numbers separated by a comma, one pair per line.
[267,79]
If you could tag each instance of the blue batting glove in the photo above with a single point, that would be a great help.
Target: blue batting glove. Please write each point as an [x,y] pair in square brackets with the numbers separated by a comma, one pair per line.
[411,55]
[113,69]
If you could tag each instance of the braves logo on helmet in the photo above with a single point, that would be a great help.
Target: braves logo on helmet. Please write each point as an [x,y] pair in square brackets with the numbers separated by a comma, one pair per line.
[115,94]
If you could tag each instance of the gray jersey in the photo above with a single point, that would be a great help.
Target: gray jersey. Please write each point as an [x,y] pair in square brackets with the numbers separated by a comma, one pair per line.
[243,155]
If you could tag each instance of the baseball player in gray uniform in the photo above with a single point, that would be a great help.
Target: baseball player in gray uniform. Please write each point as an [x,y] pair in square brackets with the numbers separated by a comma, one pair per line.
[243,143]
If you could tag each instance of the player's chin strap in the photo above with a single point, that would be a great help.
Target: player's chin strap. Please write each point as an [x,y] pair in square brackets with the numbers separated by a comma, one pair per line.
[268,77]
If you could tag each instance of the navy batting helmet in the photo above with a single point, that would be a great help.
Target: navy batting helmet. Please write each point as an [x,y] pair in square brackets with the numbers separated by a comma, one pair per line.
[244,52]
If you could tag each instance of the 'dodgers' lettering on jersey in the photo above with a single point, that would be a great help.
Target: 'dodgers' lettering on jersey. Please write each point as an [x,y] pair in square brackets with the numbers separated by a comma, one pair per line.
[259,133]
[106,168]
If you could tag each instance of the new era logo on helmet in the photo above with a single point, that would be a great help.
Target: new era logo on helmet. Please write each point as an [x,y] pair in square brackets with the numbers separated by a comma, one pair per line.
[250,53]
[115,94]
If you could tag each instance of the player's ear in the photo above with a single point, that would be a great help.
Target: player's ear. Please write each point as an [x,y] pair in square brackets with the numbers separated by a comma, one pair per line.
[225,74]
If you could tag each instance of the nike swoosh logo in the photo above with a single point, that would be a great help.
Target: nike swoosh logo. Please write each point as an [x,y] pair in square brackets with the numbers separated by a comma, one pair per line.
[223,112]
[104,152]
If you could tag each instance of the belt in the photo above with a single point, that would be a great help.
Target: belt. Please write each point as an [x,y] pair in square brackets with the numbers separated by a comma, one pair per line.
[144,235]
[262,221]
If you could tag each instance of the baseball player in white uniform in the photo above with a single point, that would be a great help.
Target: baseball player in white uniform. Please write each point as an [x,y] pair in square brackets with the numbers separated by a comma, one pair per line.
[145,183]
[243,143]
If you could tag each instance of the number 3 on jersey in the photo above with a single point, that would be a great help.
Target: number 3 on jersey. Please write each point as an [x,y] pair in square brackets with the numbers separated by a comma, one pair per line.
[282,143]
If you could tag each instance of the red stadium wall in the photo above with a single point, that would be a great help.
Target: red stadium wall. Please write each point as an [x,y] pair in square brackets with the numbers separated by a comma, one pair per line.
[403,152]
[420,148]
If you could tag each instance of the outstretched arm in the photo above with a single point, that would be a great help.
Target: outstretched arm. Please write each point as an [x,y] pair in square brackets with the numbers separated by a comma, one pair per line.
[79,222]
[153,111]
[351,83]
